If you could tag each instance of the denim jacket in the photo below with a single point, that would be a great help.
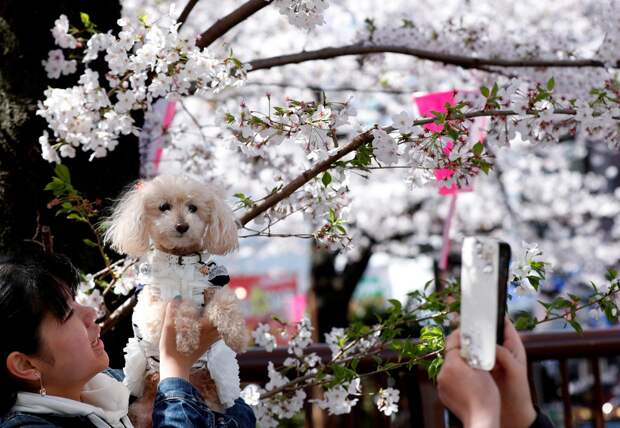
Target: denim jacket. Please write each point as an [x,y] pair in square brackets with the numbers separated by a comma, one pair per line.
[177,405]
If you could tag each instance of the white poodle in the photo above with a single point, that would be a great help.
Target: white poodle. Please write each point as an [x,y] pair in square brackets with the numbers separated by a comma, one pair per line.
[174,223]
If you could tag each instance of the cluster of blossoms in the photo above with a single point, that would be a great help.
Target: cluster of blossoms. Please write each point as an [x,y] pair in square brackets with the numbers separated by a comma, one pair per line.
[56,64]
[312,125]
[263,337]
[285,404]
[305,14]
[340,346]
[340,399]
[282,397]
[528,272]
[387,400]
[89,295]
[146,62]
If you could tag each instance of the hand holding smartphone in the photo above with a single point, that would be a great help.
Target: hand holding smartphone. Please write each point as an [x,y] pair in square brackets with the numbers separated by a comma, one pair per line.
[484,280]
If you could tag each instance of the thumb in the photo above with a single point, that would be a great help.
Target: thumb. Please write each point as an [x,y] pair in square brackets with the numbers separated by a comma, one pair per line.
[171,310]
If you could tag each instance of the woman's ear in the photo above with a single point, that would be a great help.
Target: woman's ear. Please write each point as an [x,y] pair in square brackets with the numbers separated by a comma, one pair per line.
[22,367]
[221,232]
[126,228]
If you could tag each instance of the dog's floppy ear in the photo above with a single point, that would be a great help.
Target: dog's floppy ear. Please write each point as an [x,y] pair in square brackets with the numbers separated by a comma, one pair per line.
[126,229]
[221,232]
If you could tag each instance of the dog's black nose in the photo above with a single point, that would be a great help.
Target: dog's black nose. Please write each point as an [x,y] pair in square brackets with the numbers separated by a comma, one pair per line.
[182,227]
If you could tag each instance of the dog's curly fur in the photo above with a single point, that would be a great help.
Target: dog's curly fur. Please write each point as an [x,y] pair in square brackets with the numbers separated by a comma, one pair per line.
[138,218]
[179,216]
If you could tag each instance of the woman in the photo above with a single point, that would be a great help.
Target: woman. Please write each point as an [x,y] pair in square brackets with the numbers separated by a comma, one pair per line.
[53,365]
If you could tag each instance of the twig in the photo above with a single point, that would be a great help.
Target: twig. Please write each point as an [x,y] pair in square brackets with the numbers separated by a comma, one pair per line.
[223,25]
[195,121]
[610,293]
[186,11]
[120,275]
[337,89]
[445,58]
[295,381]
[278,235]
[121,312]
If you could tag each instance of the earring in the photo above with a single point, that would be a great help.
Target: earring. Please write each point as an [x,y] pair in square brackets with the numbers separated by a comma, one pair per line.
[42,391]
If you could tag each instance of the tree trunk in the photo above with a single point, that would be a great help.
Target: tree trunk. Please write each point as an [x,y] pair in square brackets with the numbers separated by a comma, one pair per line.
[333,291]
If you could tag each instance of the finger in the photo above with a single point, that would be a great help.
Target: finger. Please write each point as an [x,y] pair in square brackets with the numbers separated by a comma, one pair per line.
[171,310]
[453,341]
[512,340]
[207,328]
[505,360]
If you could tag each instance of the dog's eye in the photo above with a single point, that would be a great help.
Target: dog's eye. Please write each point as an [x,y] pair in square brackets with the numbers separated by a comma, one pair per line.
[164,207]
[192,208]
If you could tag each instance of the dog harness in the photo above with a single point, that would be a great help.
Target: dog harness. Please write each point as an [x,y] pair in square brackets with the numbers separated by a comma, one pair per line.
[168,276]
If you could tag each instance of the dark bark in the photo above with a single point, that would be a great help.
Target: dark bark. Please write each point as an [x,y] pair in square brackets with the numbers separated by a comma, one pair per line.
[24,173]
[333,290]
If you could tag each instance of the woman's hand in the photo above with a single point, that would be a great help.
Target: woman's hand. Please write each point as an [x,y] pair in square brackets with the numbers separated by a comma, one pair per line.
[174,363]
[471,394]
[510,375]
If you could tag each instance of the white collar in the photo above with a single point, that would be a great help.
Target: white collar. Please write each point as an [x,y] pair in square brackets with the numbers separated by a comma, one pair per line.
[106,402]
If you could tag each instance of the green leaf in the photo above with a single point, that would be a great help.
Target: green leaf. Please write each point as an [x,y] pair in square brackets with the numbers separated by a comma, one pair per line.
[485,166]
[484,91]
[525,321]
[396,304]
[89,243]
[550,84]
[332,215]
[452,133]
[478,148]
[77,217]
[62,172]
[494,89]
[326,179]
[363,156]
[575,325]
[611,275]
[342,373]
[85,19]
[56,186]
[434,367]
[561,303]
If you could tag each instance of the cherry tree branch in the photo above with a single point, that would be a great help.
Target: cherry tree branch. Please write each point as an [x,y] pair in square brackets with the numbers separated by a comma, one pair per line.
[186,11]
[224,24]
[445,58]
[119,313]
[358,141]
[304,177]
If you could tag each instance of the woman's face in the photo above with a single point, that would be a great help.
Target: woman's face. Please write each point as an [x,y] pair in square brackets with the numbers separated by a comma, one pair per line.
[73,351]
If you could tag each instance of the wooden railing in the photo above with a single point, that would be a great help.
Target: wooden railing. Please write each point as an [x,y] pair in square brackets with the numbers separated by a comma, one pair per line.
[419,404]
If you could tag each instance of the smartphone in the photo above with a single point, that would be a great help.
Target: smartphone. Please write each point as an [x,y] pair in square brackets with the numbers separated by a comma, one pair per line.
[484,281]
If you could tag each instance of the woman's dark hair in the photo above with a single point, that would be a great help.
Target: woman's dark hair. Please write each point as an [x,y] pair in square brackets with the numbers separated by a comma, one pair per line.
[32,285]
